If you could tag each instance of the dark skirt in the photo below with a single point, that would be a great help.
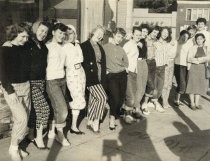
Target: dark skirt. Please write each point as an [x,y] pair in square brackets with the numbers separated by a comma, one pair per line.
[197,82]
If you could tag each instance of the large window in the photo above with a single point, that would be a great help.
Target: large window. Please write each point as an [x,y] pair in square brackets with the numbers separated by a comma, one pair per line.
[192,14]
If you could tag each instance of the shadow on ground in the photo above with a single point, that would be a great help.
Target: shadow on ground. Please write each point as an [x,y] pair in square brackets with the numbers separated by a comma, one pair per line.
[134,144]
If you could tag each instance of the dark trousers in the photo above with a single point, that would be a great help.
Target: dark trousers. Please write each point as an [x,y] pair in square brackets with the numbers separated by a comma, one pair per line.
[151,78]
[116,89]
[180,73]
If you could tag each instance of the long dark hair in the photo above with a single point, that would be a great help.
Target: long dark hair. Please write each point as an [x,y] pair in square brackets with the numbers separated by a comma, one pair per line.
[169,38]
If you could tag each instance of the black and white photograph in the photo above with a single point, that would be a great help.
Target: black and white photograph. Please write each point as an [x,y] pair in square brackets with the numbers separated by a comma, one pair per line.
[105,80]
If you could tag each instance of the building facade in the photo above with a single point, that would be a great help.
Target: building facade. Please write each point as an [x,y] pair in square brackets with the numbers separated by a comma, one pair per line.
[189,10]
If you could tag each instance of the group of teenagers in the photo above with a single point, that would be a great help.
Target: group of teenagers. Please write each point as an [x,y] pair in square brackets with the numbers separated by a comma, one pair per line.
[35,75]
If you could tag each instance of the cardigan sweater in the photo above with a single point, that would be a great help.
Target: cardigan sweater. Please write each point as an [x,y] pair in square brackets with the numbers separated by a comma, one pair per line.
[38,59]
[90,65]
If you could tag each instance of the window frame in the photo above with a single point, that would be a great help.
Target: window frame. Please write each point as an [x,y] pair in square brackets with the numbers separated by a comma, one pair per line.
[197,12]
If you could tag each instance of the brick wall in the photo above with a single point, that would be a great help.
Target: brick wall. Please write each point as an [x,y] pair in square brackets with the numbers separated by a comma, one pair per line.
[181,15]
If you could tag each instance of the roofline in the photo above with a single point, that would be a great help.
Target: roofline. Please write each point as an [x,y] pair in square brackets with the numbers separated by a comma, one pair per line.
[193,2]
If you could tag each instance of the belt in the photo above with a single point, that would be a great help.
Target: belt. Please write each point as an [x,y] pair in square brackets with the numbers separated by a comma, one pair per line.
[77,66]
[141,59]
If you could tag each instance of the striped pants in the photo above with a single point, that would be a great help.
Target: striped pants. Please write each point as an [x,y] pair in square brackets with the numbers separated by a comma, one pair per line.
[40,103]
[97,102]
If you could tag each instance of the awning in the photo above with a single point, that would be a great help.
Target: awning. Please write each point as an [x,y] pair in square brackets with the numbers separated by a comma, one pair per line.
[18,1]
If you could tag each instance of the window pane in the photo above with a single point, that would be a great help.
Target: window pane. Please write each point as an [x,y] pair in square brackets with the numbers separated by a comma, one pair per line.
[200,12]
[206,14]
[194,14]
[189,12]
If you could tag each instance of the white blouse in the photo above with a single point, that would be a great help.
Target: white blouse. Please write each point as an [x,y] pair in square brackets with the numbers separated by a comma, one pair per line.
[55,61]
[74,55]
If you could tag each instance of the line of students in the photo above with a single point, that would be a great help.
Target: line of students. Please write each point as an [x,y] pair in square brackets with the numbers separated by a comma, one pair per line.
[140,71]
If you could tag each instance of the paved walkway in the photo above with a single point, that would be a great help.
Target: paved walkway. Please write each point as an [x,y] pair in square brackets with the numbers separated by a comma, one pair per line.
[179,134]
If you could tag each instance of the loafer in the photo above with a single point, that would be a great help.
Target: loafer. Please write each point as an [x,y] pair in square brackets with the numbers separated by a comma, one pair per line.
[63,142]
[193,108]
[76,132]
[199,107]
[23,154]
[145,111]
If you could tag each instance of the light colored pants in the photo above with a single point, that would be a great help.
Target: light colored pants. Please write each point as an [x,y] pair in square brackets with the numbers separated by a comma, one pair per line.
[169,72]
[141,82]
[20,110]
[136,85]
[76,84]
[56,90]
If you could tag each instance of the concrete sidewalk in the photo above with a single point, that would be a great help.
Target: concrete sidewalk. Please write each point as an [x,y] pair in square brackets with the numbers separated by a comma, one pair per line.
[179,134]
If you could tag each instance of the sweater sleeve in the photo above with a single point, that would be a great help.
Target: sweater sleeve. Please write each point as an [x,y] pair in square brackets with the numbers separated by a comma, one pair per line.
[3,72]
[125,59]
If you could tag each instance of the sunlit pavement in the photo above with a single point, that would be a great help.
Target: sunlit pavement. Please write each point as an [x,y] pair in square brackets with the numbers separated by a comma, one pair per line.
[178,134]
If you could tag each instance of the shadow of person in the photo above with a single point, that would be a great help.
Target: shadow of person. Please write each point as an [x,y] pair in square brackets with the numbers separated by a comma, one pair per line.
[189,146]
[133,144]
[54,151]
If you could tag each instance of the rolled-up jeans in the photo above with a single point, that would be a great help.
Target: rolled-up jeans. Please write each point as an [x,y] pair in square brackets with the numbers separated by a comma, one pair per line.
[20,110]
[56,90]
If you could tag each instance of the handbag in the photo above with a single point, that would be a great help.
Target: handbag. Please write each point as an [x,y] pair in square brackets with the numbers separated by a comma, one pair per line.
[207,71]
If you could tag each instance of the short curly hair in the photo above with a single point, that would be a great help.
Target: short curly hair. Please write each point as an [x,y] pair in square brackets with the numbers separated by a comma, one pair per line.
[198,35]
[95,29]
[13,30]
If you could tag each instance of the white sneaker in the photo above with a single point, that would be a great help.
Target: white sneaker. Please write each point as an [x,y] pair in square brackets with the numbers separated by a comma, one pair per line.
[159,108]
[150,104]
[23,153]
[63,142]
[51,135]
[144,109]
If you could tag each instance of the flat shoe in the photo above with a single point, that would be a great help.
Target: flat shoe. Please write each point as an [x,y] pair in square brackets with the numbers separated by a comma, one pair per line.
[89,127]
[193,108]
[23,154]
[63,142]
[112,128]
[199,107]
[40,148]
[77,132]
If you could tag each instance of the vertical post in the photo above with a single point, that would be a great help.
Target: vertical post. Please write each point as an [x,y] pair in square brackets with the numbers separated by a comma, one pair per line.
[84,20]
[41,7]
[129,15]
